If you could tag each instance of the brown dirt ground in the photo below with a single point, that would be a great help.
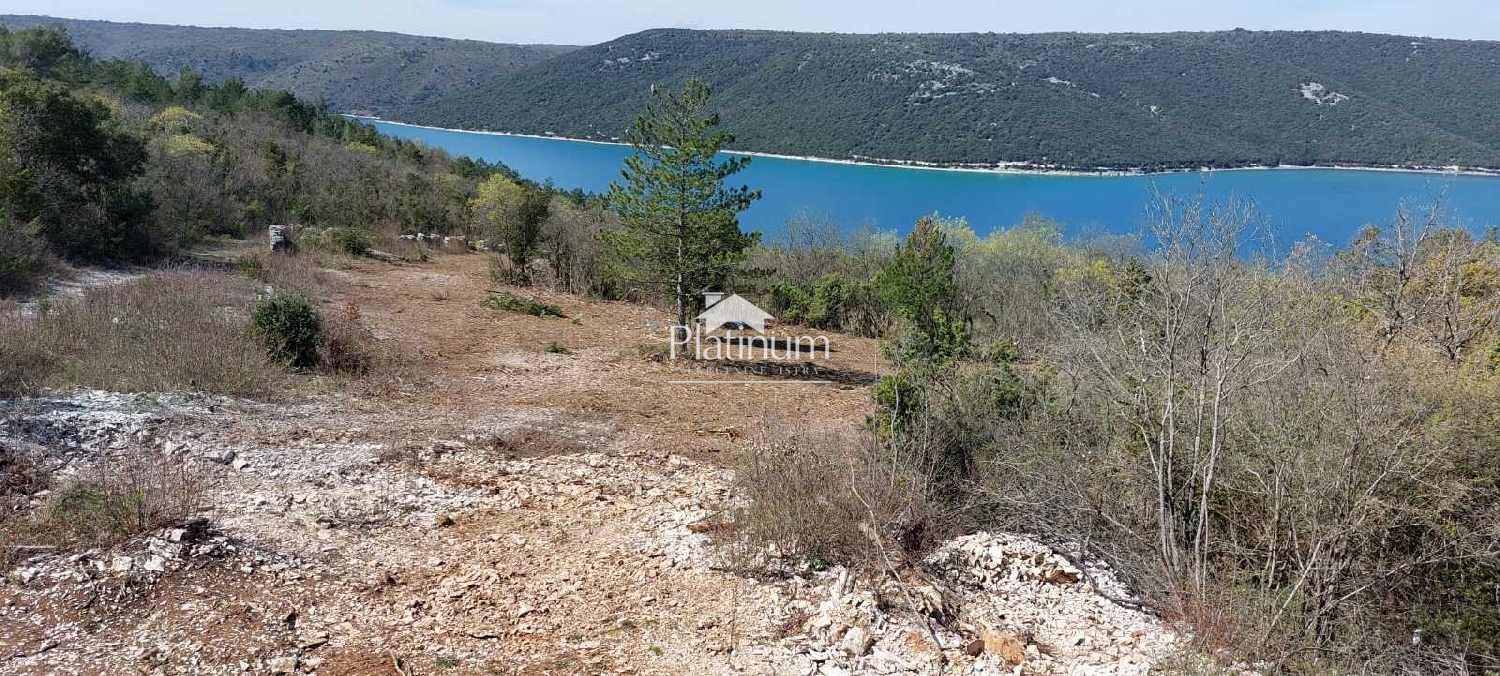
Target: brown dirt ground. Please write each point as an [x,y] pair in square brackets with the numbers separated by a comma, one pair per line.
[481,359]
[599,603]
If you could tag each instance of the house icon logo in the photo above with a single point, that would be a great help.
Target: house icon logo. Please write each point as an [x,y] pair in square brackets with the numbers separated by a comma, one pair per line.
[732,311]
[712,335]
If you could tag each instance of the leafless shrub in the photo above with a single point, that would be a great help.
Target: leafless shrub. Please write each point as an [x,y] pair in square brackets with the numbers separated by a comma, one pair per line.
[824,497]
[125,497]
[372,364]
[1256,454]
[110,502]
[570,246]
[23,473]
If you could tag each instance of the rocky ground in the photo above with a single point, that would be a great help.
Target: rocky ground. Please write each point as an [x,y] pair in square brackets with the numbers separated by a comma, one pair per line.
[519,513]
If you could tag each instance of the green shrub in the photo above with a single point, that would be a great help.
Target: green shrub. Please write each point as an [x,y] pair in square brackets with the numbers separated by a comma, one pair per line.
[834,302]
[788,302]
[898,397]
[1001,350]
[291,329]
[352,241]
[509,302]
[555,347]
[23,259]
[839,302]
[252,267]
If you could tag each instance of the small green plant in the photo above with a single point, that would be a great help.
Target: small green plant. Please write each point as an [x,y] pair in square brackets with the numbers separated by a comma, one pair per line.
[656,650]
[291,329]
[122,500]
[509,302]
[447,662]
[252,267]
[352,241]
[654,351]
[1001,350]
[84,509]
[555,347]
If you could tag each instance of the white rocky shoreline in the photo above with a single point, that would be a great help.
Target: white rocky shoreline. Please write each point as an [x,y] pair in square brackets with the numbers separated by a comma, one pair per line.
[1019,168]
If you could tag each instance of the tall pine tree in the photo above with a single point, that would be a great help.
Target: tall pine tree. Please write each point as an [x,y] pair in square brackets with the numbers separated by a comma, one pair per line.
[682,230]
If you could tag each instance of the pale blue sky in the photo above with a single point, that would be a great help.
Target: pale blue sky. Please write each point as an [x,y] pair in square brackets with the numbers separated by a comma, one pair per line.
[591,21]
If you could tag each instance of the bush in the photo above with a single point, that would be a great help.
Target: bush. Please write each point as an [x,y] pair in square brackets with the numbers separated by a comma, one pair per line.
[120,500]
[788,302]
[833,302]
[347,346]
[509,302]
[24,262]
[816,498]
[291,329]
[352,241]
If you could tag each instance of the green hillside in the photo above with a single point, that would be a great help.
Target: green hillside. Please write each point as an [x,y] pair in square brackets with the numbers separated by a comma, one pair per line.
[1075,100]
[358,71]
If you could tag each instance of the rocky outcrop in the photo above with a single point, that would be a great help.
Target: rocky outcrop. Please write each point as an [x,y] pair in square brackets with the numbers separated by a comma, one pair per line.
[995,603]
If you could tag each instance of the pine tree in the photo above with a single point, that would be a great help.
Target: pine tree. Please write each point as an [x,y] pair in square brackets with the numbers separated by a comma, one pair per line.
[681,223]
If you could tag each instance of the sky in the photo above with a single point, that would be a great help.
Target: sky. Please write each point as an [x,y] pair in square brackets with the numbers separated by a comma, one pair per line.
[583,22]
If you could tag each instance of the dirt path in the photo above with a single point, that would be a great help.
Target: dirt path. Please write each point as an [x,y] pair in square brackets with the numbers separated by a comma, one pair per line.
[486,360]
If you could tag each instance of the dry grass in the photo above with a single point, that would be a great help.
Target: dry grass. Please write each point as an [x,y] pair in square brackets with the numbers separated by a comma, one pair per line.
[114,501]
[533,442]
[352,350]
[819,497]
[286,272]
[167,331]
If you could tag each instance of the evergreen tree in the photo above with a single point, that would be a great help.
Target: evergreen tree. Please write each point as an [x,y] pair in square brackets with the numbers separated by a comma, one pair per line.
[681,223]
[920,288]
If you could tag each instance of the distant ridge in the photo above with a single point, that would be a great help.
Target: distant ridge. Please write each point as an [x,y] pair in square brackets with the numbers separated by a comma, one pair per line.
[355,71]
[1067,100]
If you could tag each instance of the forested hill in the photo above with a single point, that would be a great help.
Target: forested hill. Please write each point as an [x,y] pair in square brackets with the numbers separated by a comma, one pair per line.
[1077,100]
[356,71]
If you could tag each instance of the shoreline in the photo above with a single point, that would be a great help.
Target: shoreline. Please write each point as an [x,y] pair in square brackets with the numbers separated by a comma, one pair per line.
[1013,168]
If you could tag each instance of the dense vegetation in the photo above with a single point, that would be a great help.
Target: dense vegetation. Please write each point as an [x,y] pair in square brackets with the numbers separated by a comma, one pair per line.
[1291,456]
[107,161]
[353,71]
[1076,100]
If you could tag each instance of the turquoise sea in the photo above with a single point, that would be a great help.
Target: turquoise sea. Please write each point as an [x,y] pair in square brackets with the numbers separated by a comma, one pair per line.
[1330,203]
